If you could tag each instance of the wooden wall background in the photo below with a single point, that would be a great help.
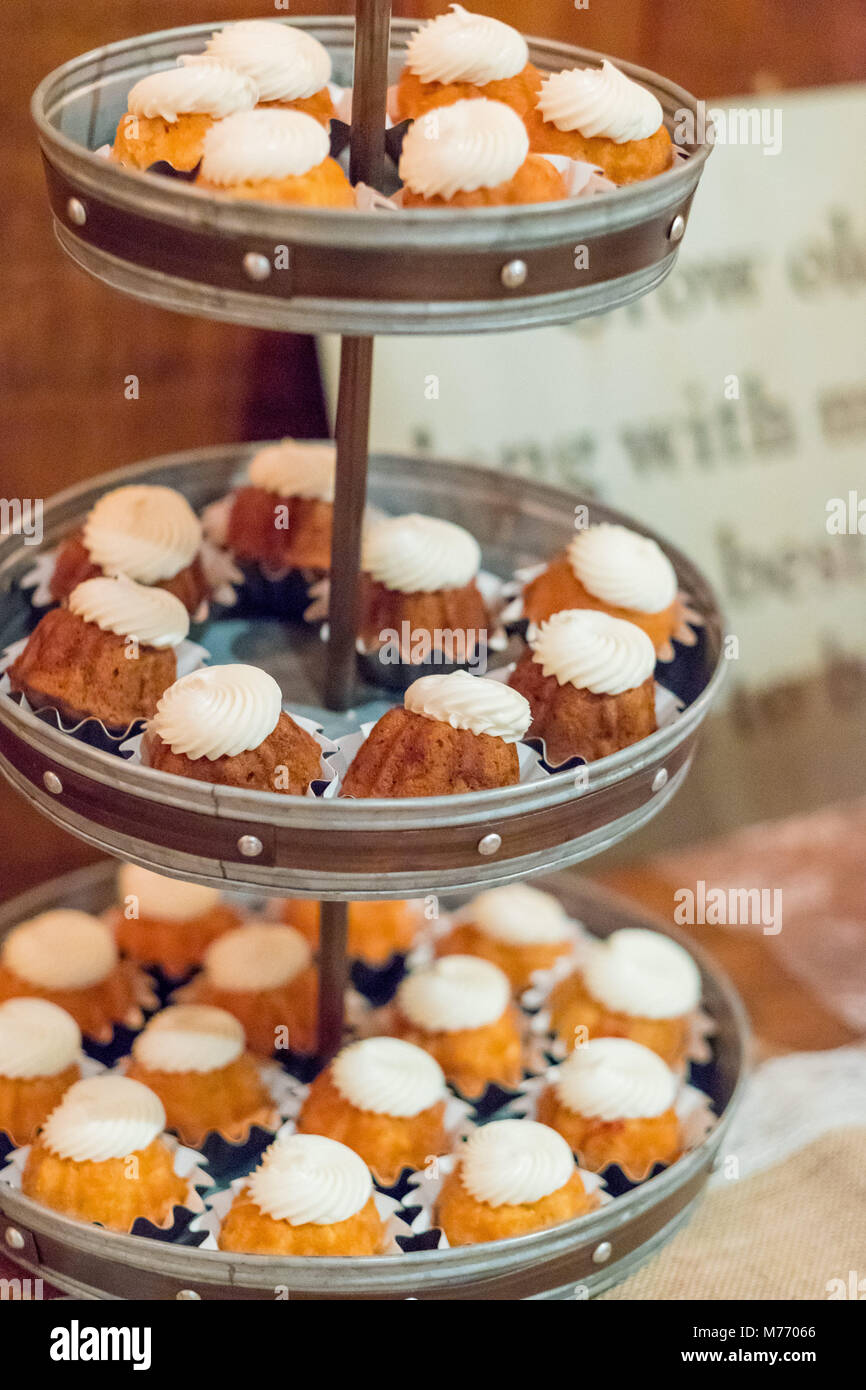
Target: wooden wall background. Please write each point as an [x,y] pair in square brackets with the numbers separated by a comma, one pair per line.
[67,343]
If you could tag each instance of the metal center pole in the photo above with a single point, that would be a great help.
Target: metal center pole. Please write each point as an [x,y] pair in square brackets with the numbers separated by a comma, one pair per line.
[333,978]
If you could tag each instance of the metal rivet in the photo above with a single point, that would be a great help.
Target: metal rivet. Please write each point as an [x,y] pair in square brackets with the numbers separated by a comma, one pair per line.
[514,274]
[76,212]
[257,266]
[188,1296]
[490,844]
[677,227]
[52,783]
[660,779]
[602,1253]
[250,846]
[14,1239]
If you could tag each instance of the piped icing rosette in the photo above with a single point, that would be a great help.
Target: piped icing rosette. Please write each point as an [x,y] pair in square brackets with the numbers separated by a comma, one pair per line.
[153,616]
[63,949]
[189,1038]
[36,1039]
[419,554]
[388,1077]
[258,956]
[472,144]
[623,568]
[471,702]
[615,1079]
[519,915]
[453,994]
[295,469]
[514,1163]
[103,1117]
[600,102]
[164,899]
[644,974]
[263,145]
[202,88]
[465,47]
[593,651]
[284,63]
[217,712]
[306,1179]
[146,532]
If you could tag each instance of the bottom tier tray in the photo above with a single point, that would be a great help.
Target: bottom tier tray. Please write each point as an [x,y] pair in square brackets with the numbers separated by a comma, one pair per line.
[575,1260]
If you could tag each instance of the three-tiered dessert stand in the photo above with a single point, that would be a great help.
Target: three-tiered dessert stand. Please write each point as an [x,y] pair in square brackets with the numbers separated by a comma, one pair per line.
[359,274]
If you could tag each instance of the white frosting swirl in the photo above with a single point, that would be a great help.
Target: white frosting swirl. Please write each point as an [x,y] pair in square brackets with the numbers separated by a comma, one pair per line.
[268,143]
[466,47]
[36,1038]
[388,1076]
[471,702]
[593,651]
[285,63]
[104,1117]
[146,532]
[200,88]
[519,915]
[61,949]
[622,568]
[123,606]
[615,1079]
[306,1179]
[164,899]
[189,1037]
[514,1163]
[420,554]
[218,712]
[293,469]
[454,993]
[644,974]
[600,101]
[257,956]
[460,148]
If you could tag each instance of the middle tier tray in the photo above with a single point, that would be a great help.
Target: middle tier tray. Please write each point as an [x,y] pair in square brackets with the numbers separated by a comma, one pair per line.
[332,848]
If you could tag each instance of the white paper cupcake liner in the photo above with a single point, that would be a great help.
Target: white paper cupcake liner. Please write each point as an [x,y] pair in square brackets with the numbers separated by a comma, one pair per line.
[219,571]
[217,1205]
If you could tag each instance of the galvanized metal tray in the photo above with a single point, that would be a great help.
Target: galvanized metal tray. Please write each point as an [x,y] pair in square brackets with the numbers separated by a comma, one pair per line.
[348,272]
[575,1260]
[338,849]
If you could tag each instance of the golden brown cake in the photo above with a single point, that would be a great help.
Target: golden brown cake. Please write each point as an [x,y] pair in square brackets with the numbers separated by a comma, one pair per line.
[274,155]
[165,922]
[512,1177]
[636,984]
[290,68]
[377,930]
[518,928]
[40,1049]
[461,55]
[73,565]
[385,1099]
[282,518]
[170,113]
[101,1156]
[536,181]
[310,1196]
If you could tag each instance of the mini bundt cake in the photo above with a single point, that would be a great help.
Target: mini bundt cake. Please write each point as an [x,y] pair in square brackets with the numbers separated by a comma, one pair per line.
[289,66]
[281,518]
[170,112]
[455,733]
[274,155]
[40,1056]
[589,681]
[166,922]
[517,927]
[463,55]
[377,930]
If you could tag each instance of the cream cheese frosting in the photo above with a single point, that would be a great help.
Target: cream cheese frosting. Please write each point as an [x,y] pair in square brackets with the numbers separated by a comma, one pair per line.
[471,702]
[268,143]
[465,47]
[615,1079]
[104,1117]
[642,973]
[258,956]
[514,1162]
[286,64]
[36,1039]
[600,101]
[419,554]
[154,617]
[519,915]
[388,1077]
[218,712]
[60,949]
[454,993]
[189,1037]
[474,143]
[295,469]
[623,568]
[306,1179]
[164,899]
[593,651]
[146,532]
[199,88]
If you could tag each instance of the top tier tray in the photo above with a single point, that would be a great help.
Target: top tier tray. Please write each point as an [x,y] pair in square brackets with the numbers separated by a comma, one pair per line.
[349,272]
